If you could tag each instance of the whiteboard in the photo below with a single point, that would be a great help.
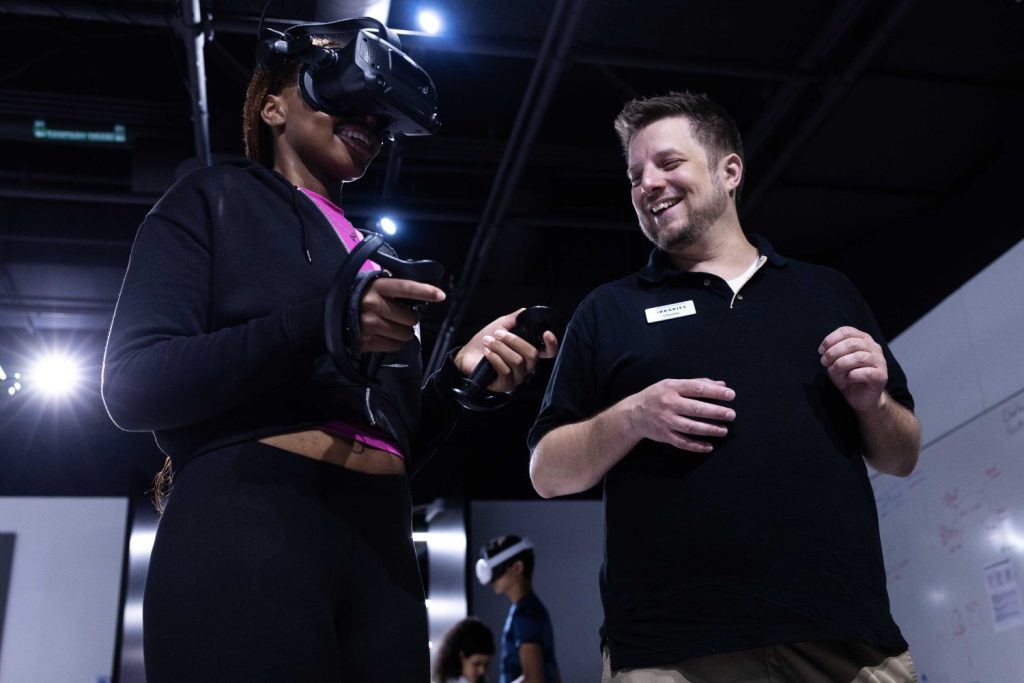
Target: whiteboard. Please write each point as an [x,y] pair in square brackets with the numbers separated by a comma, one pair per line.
[953,539]
[63,603]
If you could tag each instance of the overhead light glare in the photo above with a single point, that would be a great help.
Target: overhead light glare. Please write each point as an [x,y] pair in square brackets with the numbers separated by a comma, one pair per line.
[430,21]
[55,375]
[388,225]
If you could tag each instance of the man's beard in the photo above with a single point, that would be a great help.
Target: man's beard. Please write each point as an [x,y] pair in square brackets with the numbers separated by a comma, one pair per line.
[699,220]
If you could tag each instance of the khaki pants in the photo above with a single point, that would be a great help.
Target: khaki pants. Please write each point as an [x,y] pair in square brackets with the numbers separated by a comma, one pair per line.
[814,662]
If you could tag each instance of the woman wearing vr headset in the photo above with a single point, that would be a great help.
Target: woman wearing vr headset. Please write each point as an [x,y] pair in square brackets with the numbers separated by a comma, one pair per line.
[285,551]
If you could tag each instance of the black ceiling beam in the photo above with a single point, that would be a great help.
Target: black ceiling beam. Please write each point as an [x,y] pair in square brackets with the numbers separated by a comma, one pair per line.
[65,194]
[125,13]
[837,25]
[120,13]
[21,303]
[693,66]
[11,294]
[26,178]
[34,104]
[546,74]
[7,285]
[243,23]
[834,93]
[53,241]
[412,212]
[1011,85]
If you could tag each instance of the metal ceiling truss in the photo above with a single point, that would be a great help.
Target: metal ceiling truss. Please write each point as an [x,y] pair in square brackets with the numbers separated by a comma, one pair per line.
[555,53]
[835,90]
[547,71]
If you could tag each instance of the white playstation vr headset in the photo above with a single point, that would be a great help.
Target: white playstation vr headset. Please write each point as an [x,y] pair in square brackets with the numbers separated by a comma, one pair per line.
[490,568]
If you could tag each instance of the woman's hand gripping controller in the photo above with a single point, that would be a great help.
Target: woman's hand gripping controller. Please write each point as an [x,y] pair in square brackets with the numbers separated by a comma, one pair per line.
[343,332]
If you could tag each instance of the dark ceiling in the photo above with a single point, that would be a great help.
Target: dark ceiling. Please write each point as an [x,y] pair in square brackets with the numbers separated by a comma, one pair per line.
[883,138]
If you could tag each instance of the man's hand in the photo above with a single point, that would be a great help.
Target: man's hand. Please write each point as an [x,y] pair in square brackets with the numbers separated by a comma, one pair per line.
[891,433]
[385,323]
[512,357]
[856,367]
[673,411]
[573,457]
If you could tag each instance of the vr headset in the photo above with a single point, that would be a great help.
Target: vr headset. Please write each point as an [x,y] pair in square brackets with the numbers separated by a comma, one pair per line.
[369,75]
[485,566]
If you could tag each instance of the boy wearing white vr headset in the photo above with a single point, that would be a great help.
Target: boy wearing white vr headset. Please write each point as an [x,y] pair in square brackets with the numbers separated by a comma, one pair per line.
[527,639]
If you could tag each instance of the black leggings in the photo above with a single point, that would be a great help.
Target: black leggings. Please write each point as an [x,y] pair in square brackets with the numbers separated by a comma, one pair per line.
[269,566]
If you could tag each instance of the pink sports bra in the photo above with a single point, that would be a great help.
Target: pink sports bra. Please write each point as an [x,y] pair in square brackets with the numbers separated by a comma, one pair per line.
[350,237]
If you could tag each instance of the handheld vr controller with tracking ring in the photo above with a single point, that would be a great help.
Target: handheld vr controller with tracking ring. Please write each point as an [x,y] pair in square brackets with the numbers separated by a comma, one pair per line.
[341,309]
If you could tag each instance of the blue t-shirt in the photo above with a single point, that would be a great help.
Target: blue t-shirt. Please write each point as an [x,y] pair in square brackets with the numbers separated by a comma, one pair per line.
[527,622]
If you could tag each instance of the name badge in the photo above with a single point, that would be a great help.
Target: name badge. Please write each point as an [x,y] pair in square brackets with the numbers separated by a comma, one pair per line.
[670,311]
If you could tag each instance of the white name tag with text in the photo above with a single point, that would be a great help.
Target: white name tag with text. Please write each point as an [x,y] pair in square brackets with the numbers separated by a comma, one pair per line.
[670,311]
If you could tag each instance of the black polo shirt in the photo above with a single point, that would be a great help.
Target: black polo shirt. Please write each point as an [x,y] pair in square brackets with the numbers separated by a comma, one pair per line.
[773,536]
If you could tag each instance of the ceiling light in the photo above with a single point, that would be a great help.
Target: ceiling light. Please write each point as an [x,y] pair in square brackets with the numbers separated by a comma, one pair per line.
[55,375]
[430,21]
[387,225]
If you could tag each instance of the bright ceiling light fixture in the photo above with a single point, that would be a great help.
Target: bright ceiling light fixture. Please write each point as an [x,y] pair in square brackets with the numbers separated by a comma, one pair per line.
[56,375]
[430,21]
[388,226]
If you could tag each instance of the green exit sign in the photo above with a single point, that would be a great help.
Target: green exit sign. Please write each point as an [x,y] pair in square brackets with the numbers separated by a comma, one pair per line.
[40,131]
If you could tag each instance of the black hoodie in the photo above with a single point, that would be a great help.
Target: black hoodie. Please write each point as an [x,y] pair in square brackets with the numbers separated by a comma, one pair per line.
[218,337]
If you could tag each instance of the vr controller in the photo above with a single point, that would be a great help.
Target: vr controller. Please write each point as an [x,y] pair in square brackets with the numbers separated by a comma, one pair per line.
[472,392]
[341,314]
[342,306]
[369,75]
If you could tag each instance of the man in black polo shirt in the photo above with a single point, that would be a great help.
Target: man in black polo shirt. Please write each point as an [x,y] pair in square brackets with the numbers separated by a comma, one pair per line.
[728,397]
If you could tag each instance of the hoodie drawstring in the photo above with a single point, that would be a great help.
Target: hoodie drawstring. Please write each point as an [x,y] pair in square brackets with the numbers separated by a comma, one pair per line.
[304,226]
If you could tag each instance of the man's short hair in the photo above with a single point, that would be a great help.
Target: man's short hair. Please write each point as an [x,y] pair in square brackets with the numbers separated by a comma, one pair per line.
[496,545]
[712,125]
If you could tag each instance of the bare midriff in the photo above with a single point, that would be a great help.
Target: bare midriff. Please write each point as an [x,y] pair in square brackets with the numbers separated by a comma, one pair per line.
[337,450]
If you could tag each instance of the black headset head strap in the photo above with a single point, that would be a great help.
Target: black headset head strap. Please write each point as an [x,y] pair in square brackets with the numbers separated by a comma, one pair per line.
[297,40]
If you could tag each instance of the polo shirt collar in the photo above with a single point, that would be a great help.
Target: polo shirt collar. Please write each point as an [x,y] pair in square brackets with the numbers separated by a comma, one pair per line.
[659,266]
